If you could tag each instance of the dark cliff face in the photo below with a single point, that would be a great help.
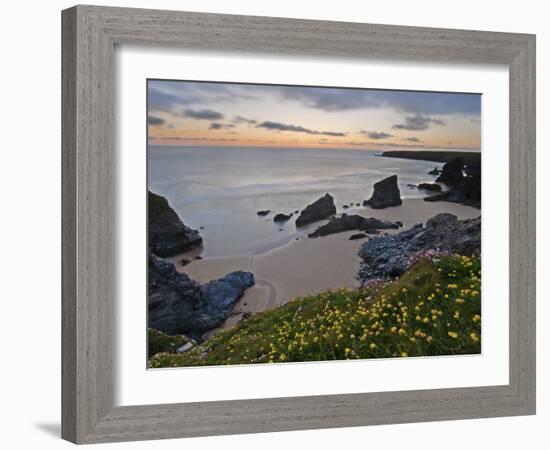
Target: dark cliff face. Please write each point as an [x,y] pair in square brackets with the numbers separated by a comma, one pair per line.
[452,174]
[179,305]
[168,236]
[465,189]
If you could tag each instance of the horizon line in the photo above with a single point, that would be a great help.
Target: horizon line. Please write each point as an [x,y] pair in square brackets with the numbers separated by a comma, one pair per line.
[396,148]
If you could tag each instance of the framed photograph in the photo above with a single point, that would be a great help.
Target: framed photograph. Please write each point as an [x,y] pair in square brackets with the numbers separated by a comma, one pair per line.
[277,224]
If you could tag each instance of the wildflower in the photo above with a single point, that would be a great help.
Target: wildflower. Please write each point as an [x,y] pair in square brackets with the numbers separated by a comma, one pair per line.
[453,334]
[401,332]
[393,329]
[460,301]
[425,320]
[476,318]
[347,350]
[372,346]
[404,354]
[474,337]
[429,339]
[282,357]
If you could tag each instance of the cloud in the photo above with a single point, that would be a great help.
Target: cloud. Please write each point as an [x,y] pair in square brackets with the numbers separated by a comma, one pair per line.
[159,100]
[155,121]
[296,128]
[417,123]
[241,119]
[412,139]
[203,114]
[376,135]
[219,126]
[412,102]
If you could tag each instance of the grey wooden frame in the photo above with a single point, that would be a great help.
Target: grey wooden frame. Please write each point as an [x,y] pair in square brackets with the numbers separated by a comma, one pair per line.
[90,34]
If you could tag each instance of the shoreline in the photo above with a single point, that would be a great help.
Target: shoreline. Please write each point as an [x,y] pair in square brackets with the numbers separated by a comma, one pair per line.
[307,265]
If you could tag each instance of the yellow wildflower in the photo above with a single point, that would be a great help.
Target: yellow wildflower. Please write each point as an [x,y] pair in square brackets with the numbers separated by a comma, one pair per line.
[453,334]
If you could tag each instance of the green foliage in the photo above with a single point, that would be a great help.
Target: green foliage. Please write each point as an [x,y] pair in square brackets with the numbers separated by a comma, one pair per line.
[433,309]
[158,342]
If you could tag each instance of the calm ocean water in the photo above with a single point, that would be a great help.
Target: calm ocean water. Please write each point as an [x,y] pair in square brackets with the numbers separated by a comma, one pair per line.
[221,189]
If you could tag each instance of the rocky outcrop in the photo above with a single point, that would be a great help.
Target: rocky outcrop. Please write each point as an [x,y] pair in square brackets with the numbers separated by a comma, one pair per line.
[434,171]
[430,187]
[179,305]
[467,192]
[352,222]
[281,217]
[318,210]
[263,212]
[168,235]
[452,174]
[386,193]
[357,236]
[389,256]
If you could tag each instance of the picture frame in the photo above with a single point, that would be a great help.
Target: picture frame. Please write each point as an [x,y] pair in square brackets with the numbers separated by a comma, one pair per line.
[90,34]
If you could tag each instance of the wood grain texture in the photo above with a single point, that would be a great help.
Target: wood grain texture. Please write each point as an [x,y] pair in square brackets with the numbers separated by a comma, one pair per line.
[89,36]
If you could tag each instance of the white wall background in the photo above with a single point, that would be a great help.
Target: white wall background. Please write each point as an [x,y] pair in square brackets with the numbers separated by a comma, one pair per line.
[30,221]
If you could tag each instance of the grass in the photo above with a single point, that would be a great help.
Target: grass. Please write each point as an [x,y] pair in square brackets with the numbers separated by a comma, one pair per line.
[433,309]
[159,342]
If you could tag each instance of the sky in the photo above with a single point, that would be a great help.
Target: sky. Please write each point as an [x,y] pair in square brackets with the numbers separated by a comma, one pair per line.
[184,113]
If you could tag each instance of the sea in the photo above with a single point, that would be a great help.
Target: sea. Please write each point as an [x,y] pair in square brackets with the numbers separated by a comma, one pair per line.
[218,190]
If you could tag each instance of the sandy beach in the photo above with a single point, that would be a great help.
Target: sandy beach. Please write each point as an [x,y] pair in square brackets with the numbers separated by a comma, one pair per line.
[308,266]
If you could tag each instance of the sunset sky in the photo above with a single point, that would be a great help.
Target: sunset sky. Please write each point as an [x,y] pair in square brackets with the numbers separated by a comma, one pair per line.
[184,113]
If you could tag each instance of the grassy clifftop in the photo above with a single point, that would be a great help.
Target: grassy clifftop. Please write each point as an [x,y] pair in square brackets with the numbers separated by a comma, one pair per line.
[433,309]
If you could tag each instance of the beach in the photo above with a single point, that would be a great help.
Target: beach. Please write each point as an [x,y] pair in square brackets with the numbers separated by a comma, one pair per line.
[308,265]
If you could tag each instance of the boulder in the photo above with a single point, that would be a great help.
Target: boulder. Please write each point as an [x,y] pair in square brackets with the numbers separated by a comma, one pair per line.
[281,217]
[430,187]
[179,305]
[168,236]
[356,236]
[352,222]
[434,171]
[386,193]
[263,212]
[389,256]
[451,174]
[320,209]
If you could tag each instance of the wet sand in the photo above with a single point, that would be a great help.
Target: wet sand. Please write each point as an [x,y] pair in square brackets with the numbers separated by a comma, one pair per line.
[309,266]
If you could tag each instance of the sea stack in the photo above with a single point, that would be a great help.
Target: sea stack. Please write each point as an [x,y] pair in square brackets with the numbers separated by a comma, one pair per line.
[451,174]
[168,236]
[318,210]
[386,193]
